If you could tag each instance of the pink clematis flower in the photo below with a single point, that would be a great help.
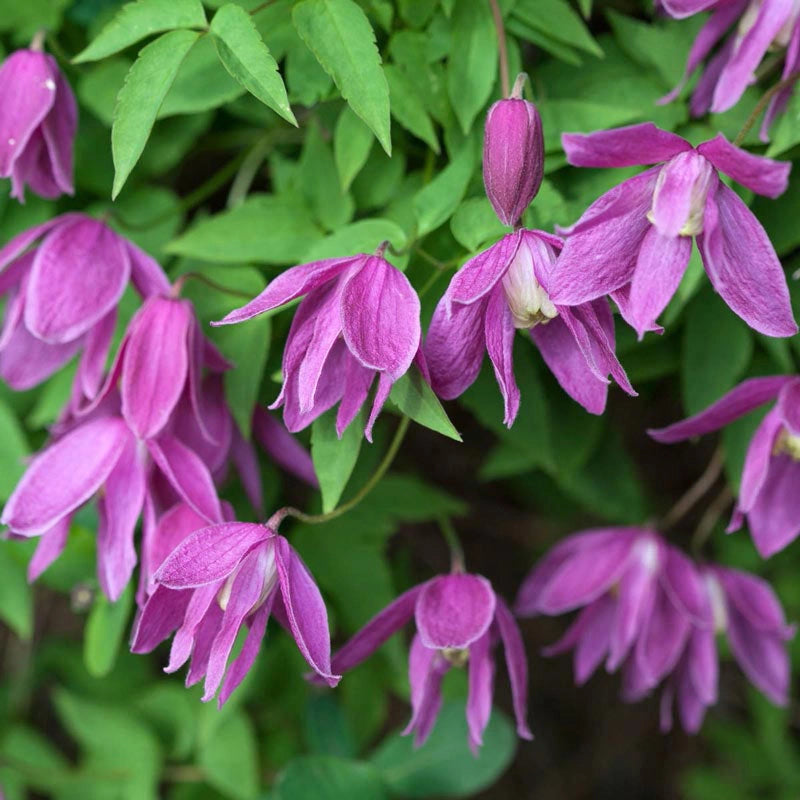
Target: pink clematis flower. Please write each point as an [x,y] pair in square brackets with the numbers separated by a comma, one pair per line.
[220,578]
[754,28]
[38,120]
[746,609]
[504,289]
[769,495]
[634,242]
[638,598]
[459,618]
[63,295]
[360,317]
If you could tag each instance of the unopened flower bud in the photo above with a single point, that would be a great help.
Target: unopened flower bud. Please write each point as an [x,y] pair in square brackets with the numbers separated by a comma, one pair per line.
[513,155]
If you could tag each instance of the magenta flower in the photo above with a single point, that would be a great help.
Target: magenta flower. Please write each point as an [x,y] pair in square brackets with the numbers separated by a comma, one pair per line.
[634,242]
[638,598]
[458,618]
[761,26]
[513,155]
[746,609]
[769,495]
[38,120]
[63,295]
[220,578]
[506,288]
[360,317]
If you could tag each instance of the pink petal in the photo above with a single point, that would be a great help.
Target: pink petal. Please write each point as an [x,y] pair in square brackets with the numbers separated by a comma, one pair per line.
[757,460]
[481,687]
[202,599]
[65,475]
[478,276]
[516,664]
[774,519]
[146,275]
[681,183]
[357,383]
[161,615]
[789,406]
[59,129]
[426,668]
[95,354]
[50,546]
[282,447]
[247,656]
[630,146]
[500,331]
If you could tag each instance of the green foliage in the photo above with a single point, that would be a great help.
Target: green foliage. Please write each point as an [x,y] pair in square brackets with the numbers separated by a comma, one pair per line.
[334,458]
[105,631]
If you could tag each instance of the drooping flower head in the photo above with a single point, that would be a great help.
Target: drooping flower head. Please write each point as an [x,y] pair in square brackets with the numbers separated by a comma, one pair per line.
[504,289]
[62,297]
[513,155]
[38,120]
[634,242]
[769,495]
[219,579]
[754,28]
[359,319]
[459,619]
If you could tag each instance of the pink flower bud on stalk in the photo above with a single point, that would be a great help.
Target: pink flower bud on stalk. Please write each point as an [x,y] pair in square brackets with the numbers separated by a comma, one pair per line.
[513,154]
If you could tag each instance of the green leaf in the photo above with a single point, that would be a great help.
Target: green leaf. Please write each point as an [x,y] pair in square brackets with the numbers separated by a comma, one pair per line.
[135,21]
[556,19]
[475,223]
[230,758]
[329,778]
[104,632]
[445,766]
[472,67]
[407,107]
[364,236]
[140,99]
[14,449]
[334,458]
[16,597]
[414,397]
[244,54]
[326,728]
[717,347]
[352,141]
[340,36]
[435,203]
[266,229]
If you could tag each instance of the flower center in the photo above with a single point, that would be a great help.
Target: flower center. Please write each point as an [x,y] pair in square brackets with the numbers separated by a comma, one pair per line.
[750,16]
[669,179]
[529,303]
[788,443]
[266,564]
[457,656]
[716,597]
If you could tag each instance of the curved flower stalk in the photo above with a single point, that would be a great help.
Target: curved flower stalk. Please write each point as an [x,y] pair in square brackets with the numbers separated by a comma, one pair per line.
[38,120]
[753,28]
[649,611]
[634,242]
[459,620]
[223,577]
[769,495]
[359,319]
[62,297]
[504,289]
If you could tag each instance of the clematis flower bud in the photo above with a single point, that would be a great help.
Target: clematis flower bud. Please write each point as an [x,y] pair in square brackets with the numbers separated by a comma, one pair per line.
[38,120]
[513,155]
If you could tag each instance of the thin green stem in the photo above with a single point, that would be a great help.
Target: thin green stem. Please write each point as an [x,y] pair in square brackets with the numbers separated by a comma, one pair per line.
[246,173]
[375,478]
[710,518]
[502,50]
[453,542]
[762,104]
[696,491]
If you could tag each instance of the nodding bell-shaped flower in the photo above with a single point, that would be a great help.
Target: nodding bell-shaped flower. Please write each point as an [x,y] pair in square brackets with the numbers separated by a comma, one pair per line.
[754,28]
[359,319]
[634,242]
[459,620]
[504,289]
[769,495]
[638,598]
[513,155]
[38,120]
[744,607]
[64,279]
[219,579]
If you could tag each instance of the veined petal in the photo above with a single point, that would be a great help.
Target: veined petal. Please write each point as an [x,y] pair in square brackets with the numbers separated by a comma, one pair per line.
[201,600]
[757,460]
[516,664]
[499,331]
[65,475]
[789,406]
[478,276]
[282,447]
[162,614]
[50,546]
[380,317]
[736,403]
[755,600]
[481,686]
[426,668]
[291,284]
[95,354]
[630,146]
[58,129]
[357,383]
[763,175]
[454,610]
[774,519]
[78,275]
[210,554]
[146,275]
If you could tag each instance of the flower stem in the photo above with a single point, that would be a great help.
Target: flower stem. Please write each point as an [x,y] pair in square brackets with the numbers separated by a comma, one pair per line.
[762,104]
[695,491]
[247,171]
[198,276]
[375,478]
[710,518]
[502,51]
[453,542]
